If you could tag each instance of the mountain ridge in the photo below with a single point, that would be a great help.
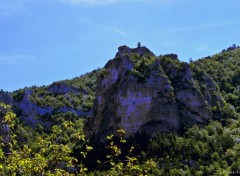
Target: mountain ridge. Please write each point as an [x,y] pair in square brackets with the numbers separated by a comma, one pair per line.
[64,90]
[141,114]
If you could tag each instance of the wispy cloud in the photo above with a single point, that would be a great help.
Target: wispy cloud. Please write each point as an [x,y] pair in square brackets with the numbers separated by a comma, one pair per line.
[9,9]
[203,48]
[16,58]
[108,2]
[200,27]
[90,2]
[222,23]
[12,7]
[118,31]
[181,29]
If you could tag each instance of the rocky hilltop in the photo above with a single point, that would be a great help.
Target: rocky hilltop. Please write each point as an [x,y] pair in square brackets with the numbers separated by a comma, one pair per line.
[136,91]
[142,93]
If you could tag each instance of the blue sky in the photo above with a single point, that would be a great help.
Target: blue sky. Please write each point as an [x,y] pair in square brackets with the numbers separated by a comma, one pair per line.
[42,41]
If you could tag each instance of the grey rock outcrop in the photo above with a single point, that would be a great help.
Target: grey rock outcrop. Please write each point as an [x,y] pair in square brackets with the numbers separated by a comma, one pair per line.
[62,88]
[167,99]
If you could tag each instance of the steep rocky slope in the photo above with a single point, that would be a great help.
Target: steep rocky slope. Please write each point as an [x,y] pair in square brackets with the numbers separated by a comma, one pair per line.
[139,92]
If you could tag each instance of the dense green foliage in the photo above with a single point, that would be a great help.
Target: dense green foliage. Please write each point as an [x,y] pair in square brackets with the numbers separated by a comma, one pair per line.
[142,66]
[224,68]
[77,93]
[48,154]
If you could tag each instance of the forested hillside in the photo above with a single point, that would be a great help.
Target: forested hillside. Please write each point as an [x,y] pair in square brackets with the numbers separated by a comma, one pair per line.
[224,68]
[42,128]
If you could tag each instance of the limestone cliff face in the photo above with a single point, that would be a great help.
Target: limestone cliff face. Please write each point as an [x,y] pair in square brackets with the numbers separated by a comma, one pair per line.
[140,92]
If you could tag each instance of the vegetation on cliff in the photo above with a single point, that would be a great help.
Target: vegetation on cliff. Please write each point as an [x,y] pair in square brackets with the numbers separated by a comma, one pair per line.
[56,145]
